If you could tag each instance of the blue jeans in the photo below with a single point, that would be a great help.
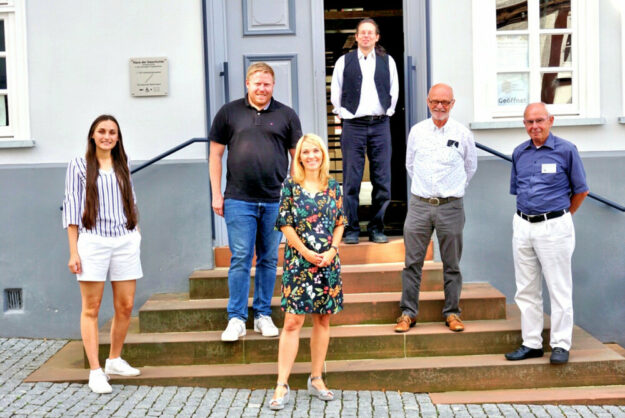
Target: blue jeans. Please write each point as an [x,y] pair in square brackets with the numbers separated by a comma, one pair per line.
[251,224]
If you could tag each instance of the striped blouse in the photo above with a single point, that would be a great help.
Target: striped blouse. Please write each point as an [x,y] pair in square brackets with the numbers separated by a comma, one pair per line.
[111,220]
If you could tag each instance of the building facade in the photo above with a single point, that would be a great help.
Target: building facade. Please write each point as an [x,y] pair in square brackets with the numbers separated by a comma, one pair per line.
[65,62]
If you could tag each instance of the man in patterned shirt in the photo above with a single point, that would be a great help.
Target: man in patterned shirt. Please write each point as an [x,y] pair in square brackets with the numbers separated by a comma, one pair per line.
[440,160]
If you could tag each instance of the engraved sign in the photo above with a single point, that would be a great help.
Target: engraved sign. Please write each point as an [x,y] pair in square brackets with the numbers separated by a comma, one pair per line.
[149,76]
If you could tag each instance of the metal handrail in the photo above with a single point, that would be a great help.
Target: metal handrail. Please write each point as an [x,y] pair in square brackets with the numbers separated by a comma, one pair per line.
[591,194]
[477,144]
[168,153]
[163,155]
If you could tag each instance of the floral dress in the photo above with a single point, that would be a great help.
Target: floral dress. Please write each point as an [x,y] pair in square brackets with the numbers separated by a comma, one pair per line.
[307,288]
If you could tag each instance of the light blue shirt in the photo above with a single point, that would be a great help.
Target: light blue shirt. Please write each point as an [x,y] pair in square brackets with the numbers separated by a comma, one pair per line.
[543,179]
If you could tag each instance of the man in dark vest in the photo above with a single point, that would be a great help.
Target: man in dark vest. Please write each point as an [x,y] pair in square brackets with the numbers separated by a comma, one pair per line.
[364,95]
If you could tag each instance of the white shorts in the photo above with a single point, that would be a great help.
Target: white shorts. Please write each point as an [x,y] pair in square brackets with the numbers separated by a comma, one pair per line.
[115,257]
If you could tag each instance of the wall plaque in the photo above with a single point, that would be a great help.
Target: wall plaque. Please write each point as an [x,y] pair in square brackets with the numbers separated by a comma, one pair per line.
[149,76]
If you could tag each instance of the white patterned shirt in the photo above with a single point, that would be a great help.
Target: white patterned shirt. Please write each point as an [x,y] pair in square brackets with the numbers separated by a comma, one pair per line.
[369,104]
[111,219]
[440,161]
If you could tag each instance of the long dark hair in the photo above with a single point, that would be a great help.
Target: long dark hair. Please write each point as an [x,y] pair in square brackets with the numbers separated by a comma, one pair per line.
[379,49]
[120,165]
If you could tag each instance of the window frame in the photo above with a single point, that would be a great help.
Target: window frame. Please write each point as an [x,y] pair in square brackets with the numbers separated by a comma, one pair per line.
[17,132]
[585,32]
[621,119]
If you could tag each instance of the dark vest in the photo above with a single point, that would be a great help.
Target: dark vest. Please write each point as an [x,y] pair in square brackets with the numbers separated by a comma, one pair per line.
[352,81]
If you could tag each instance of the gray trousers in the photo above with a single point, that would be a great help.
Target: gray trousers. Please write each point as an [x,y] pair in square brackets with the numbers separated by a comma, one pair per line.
[422,219]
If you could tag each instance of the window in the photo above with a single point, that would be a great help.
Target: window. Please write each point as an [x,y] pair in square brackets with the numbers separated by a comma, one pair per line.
[14,116]
[535,50]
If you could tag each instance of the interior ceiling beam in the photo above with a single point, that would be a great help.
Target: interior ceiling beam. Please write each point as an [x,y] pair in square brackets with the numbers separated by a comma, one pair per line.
[361,14]
[517,12]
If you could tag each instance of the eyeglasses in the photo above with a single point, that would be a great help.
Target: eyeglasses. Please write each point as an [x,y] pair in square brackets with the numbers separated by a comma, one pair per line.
[445,103]
[530,122]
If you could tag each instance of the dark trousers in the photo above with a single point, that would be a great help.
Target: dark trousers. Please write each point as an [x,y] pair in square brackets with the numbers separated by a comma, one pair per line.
[421,220]
[373,138]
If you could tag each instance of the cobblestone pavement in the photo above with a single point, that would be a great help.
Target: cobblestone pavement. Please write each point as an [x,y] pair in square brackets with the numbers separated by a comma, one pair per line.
[19,357]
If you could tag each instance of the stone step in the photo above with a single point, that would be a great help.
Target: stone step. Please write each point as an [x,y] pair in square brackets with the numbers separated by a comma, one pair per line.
[584,395]
[362,253]
[357,278]
[590,364]
[346,342]
[169,312]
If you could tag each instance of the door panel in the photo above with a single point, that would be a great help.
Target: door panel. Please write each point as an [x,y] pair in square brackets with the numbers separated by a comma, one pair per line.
[285,69]
[278,32]
[265,30]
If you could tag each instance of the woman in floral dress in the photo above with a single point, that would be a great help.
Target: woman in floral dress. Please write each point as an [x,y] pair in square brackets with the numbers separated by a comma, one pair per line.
[311,218]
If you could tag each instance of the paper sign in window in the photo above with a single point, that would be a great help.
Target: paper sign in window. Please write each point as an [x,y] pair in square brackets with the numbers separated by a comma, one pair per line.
[512,89]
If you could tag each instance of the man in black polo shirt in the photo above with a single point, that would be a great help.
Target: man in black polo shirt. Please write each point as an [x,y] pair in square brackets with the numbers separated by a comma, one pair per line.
[259,132]
[364,93]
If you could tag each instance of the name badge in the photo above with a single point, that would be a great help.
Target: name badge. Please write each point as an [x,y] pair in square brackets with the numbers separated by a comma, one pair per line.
[549,168]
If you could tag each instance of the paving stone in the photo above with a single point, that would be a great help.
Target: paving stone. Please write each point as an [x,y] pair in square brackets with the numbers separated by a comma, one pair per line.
[476,411]
[316,412]
[599,411]
[539,411]
[554,411]
[583,411]
[615,410]
[521,409]
[426,413]
[458,408]
[62,399]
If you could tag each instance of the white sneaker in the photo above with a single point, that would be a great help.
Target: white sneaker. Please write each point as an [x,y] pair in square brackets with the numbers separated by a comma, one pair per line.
[121,367]
[234,330]
[265,326]
[98,382]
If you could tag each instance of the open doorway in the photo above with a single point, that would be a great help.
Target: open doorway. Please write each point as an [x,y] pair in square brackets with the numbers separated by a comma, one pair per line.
[341,18]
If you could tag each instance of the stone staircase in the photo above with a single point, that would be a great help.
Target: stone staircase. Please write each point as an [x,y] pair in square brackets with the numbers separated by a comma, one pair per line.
[176,341]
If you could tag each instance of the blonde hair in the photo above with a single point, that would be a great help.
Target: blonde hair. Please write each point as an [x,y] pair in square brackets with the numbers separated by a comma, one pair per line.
[259,67]
[324,169]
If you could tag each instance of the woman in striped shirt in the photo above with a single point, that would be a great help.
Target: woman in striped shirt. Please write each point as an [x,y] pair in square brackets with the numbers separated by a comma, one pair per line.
[101,219]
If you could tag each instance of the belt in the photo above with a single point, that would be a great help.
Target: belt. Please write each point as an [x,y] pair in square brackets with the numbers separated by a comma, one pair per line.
[437,201]
[542,216]
[372,117]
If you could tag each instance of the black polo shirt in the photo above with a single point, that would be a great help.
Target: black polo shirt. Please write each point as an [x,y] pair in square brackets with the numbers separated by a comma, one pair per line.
[258,144]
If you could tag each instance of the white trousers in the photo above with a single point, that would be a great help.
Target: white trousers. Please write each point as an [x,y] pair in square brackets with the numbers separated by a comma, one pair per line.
[544,247]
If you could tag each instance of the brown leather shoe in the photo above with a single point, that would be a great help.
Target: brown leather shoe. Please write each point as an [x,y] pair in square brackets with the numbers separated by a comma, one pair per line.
[404,323]
[454,323]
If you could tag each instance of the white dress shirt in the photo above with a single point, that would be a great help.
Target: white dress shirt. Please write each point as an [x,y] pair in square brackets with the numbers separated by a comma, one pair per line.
[369,104]
[437,167]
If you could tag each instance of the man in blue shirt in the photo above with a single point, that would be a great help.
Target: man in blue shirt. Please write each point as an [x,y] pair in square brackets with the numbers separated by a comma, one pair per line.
[549,181]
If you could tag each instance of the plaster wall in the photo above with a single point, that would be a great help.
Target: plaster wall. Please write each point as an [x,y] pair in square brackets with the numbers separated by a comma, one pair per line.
[174,217]
[598,263]
[452,63]
[78,68]
[174,208]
